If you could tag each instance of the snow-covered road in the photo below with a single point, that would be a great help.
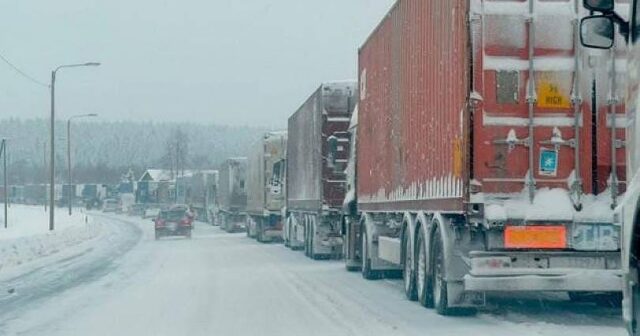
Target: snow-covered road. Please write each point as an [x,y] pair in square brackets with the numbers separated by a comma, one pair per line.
[227,284]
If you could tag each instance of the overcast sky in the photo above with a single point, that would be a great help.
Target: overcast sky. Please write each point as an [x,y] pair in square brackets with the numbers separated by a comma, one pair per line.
[236,62]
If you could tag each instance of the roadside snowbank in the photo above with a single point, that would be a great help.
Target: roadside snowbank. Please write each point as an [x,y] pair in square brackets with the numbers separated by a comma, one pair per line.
[28,238]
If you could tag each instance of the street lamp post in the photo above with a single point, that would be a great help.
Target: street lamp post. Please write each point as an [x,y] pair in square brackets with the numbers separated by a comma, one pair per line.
[44,176]
[3,153]
[71,189]
[52,186]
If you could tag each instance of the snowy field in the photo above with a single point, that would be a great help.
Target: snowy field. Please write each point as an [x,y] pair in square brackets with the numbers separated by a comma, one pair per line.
[227,284]
[27,241]
[25,220]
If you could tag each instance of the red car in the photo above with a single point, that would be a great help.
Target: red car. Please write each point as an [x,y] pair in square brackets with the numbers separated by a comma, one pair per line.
[174,222]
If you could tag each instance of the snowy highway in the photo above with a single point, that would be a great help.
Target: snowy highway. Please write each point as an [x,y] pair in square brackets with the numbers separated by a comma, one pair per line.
[126,283]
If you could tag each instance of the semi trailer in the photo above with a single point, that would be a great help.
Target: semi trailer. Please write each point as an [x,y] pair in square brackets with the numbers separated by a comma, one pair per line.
[315,185]
[487,158]
[265,187]
[232,195]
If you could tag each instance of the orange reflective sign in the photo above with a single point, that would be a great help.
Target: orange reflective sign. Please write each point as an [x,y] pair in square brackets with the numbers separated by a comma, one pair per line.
[543,237]
[553,91]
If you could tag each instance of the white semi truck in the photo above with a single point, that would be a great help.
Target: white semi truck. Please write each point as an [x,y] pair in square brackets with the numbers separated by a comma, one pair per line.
[266,185]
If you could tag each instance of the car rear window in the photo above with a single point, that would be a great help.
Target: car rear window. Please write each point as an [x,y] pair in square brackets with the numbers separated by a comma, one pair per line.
[172,215]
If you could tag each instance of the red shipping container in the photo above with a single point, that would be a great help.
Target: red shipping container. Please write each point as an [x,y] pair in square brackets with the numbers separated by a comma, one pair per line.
[460,99]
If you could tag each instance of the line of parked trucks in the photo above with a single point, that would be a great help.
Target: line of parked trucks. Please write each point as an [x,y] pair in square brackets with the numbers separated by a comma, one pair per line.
[483,148]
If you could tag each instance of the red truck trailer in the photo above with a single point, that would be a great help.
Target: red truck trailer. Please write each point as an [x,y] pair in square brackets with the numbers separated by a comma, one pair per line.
[482,161]
[315,185]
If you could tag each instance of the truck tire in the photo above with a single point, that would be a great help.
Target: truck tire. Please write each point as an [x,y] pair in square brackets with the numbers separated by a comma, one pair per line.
[367,272]
[438,273]
[408,263]
[351,262]
[424,285]
[287,233]
[306,236]
[258,227]
[312,231]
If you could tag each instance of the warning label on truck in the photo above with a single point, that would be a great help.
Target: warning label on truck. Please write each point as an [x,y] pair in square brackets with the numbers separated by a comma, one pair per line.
[548,162]
[553,90]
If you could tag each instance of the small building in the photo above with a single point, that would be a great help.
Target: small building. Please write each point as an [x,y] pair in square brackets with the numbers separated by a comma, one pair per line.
[155,186]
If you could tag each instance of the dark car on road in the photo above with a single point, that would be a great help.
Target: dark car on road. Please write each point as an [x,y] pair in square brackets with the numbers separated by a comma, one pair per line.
[174,222]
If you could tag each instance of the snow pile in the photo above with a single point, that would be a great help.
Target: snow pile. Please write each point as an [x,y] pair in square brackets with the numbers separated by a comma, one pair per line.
[28,238]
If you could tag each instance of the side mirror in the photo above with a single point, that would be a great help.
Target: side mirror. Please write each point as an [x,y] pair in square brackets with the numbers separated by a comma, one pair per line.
[604,6]
[597,32]
[332,143]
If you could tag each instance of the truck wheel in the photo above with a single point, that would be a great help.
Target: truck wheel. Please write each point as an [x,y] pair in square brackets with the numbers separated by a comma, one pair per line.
[291,233]
[408,274]
[367,272]
[424,285]
[285,239]
[440,296]
[258,231]
[306,236]
[312,231]
[285,232]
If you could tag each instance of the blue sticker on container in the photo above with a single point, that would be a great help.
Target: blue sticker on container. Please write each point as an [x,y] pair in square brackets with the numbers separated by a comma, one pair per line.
[548,162]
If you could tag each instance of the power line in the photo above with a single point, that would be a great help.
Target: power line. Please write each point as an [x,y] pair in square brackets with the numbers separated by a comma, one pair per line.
[16,69]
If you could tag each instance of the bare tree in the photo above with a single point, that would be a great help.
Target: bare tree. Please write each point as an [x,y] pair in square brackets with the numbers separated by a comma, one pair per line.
[177,152]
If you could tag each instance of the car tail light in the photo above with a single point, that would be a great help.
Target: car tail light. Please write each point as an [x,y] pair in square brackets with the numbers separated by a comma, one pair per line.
[185,221]
[159,223]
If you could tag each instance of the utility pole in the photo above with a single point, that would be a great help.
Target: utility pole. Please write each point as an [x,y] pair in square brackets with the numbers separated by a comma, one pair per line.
[44,165]
[52,177]
[70,187]
[3,153]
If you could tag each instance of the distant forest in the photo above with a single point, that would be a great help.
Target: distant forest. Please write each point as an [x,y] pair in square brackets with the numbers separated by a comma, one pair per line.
[103,151]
